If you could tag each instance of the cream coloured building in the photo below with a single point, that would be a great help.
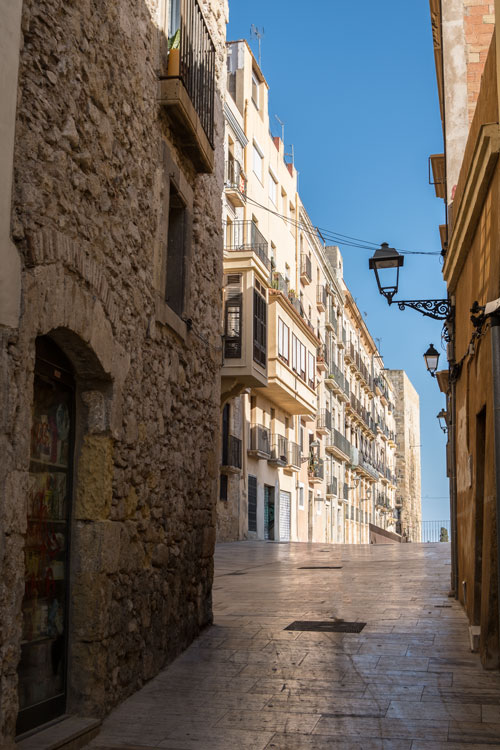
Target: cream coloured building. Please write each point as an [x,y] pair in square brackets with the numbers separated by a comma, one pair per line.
[308,429]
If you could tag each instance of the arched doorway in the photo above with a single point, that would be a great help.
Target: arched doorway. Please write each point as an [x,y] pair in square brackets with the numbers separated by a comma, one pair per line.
[42,667]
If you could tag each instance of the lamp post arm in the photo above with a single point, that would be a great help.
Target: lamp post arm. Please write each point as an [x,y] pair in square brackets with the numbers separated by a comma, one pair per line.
[439,309]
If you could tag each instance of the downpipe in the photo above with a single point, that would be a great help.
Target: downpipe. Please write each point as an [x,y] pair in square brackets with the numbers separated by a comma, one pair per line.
[495,357]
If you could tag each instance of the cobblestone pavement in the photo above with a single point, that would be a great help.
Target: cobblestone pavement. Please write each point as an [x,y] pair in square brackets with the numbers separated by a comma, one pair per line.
[407,682]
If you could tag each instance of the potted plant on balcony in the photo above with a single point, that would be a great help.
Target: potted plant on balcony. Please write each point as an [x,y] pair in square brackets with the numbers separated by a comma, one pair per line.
[174,44]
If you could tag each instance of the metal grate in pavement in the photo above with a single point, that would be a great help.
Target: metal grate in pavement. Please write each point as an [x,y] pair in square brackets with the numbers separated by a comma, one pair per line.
[320,567]
[326,626]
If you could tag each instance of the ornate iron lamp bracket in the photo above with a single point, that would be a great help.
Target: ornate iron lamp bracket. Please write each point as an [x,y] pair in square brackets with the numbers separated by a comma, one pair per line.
[439,309]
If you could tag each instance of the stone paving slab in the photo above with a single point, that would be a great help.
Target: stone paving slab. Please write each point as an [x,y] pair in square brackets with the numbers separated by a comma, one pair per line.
[407,681]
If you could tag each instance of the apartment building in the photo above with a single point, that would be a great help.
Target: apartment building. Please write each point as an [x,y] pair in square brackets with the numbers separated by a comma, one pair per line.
[308,428]
[409,493]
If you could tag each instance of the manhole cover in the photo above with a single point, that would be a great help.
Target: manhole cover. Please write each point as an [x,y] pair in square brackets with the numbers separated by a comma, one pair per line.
[320,567]
[326,626]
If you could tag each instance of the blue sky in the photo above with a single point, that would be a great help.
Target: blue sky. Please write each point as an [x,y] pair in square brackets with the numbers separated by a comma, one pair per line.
[355,87]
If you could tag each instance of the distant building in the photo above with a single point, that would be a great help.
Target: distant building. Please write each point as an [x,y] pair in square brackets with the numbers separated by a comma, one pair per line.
[308,432]
[407,418]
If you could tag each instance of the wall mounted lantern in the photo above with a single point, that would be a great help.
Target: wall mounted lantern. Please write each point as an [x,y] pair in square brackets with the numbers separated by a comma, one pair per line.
[386,262]
[443,420]
[431,358]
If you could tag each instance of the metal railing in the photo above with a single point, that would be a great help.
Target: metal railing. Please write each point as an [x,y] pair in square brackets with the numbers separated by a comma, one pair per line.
[306,266]
[321,295]
[346,491]
[260,439]
[331,317]
[197,63]
[279,449]
[317,468]
[233,176]
[324,421]
[280,282]
[435,531]
[294,455]
[332,486]
[341,442]
[245,235]
[336,374]
[231,452]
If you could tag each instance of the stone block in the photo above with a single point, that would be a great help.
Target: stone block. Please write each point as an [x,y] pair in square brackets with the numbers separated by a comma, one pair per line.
[94,478]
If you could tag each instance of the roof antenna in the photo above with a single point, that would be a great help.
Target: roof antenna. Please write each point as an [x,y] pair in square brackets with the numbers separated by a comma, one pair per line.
[282,129]
[257,33]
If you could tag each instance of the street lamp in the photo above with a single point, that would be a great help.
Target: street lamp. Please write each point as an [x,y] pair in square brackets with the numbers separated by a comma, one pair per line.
[443,420]
[431,358]
[386,262]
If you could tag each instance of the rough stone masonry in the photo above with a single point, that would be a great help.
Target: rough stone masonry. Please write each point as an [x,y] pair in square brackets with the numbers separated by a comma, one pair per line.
[93,154]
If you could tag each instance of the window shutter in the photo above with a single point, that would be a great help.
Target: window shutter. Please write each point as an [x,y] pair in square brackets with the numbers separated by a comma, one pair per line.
[259,328]
[252,503]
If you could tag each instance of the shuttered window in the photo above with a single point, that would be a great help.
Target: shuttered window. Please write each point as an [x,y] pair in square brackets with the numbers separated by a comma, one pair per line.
[233,323]
[259,328]
[294,352]
[310,368]
[283,340]
[252,503]
[302,370]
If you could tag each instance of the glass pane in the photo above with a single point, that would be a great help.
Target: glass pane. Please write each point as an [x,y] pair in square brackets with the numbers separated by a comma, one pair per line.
[42,668]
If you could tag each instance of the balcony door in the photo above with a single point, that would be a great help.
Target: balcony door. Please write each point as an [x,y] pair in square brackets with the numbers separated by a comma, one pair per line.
[268,512]
[285,515]
[42,667]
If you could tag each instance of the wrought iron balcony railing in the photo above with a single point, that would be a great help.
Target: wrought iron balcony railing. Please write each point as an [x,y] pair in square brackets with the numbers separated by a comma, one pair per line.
[332,486]
[231,452]
[306,267]
[294,455]
[192,59]
[260,439]
[341,442]
[280,282]
[321,296]
[234,177]
[279,450]
[245,235]
[316,469]
[324,420]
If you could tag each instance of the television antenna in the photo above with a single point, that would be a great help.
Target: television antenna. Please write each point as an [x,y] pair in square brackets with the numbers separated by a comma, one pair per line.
[257,33]
[282,129]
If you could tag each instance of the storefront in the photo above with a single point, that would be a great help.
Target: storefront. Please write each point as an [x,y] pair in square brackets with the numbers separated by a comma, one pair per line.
[42,668]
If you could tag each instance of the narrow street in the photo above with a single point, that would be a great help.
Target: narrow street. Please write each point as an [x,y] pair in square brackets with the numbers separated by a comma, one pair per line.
[407,681]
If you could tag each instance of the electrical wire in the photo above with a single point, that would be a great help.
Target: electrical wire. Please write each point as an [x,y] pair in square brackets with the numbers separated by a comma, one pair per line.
[331,235]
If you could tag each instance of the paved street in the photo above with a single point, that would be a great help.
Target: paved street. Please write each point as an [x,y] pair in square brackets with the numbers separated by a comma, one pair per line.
[407,681]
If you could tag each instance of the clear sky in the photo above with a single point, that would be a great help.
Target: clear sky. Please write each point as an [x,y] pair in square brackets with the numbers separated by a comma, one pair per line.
[355,87]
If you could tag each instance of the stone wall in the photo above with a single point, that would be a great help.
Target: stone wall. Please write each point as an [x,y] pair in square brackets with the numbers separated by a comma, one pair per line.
[88,207]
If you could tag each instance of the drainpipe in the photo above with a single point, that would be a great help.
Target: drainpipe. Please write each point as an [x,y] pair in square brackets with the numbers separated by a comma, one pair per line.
[495,357]
[453,491]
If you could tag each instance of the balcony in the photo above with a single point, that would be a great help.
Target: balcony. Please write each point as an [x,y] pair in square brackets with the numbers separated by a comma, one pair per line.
[324,422]
[260,441]
[346,491]
[321,298]
[244,237]
[331,319]
[316,470]
[187,92]
[337,382]
[231,456]
[294,457]
[280,283]
[235,183]
[279,451]
[305,269]
[339,446]
[322,361]
[332,487]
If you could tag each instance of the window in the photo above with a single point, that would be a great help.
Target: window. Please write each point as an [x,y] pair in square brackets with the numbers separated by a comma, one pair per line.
[302,361]
[283,340]
[301,497]
[233,317]
[294,353]
[259,328]
[273,188]
[175,275]
[255,89]
[257,160]
[252,503]
[223,487]
[310,369]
